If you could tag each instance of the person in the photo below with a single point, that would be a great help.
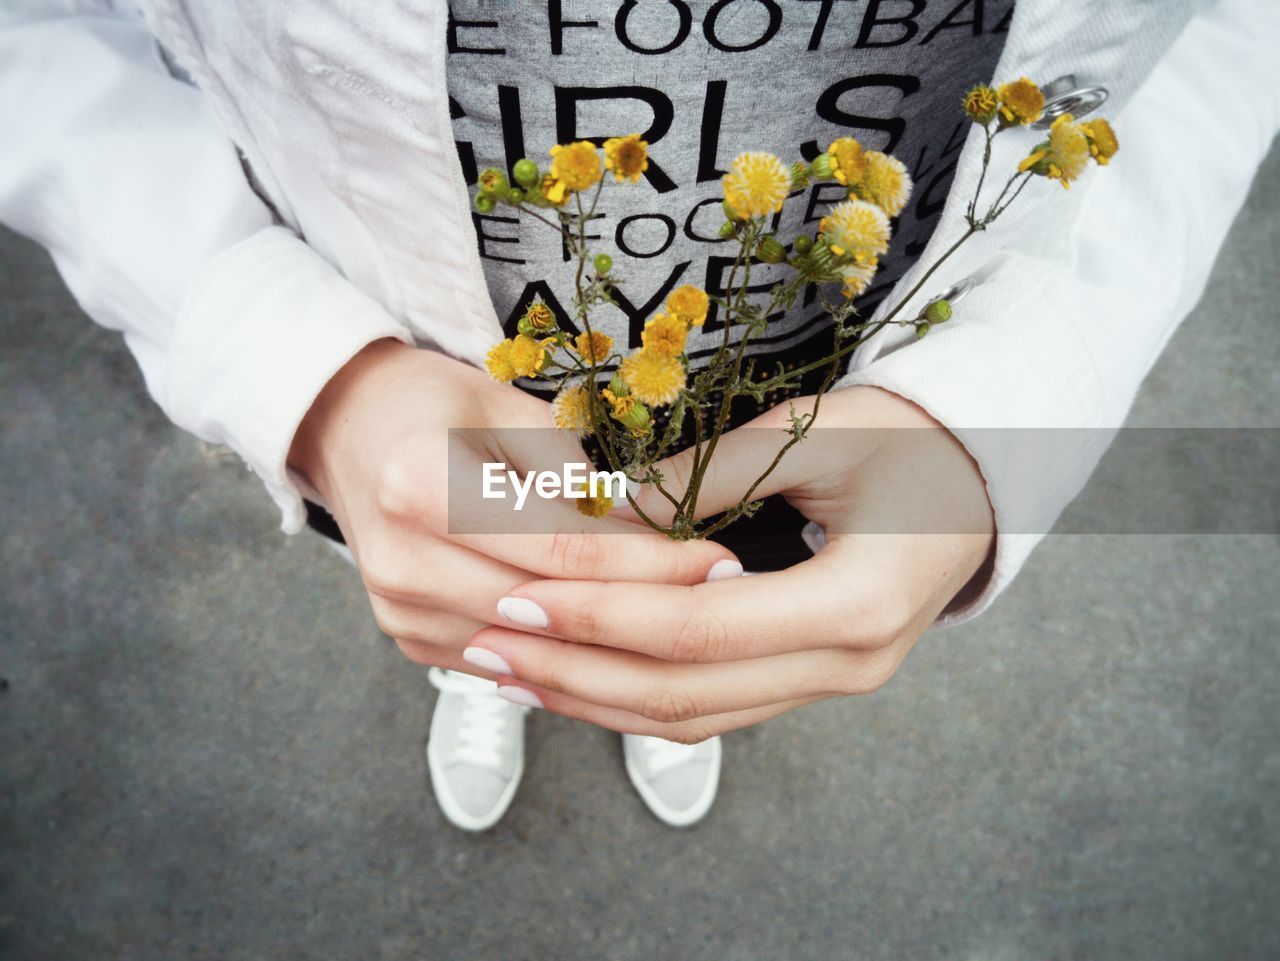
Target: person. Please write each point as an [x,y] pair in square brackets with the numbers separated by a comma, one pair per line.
[271,204]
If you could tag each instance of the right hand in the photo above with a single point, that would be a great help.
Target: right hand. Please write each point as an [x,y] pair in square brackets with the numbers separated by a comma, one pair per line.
[376,446]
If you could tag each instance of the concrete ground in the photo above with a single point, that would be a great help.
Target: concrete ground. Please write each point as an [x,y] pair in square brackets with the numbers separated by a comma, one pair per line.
[208,750]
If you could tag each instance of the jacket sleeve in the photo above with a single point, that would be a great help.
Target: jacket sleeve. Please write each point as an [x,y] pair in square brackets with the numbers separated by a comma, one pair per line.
[124,175]
[1074,304]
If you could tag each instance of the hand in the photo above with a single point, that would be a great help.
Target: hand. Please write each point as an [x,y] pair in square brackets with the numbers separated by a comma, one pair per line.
[376,445]
[907,526]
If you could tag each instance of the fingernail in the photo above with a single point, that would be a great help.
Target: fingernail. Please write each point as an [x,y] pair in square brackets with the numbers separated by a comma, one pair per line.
[620,501]
[519,695]
[523,611]
[723,570]
[486,660]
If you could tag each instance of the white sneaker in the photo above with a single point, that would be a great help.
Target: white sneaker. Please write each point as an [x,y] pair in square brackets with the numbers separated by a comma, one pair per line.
[475,752]
[677,781]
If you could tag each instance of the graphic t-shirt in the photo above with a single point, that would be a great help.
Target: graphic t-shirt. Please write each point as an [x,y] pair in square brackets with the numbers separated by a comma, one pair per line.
[702,82]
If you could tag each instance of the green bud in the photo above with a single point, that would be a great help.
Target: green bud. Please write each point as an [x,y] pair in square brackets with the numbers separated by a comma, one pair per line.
[603,263]
[726,230]
[515,196]
[922,328]
[938,312]
[526,173]
[799,175]
[484,203]
[803,244]
[729,212]
[619,386]
[821,167]
[493,182]
[770,250]
[638,420]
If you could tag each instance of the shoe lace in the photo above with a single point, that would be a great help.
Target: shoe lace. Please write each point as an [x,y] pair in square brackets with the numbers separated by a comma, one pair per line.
[483,719]
[661,754]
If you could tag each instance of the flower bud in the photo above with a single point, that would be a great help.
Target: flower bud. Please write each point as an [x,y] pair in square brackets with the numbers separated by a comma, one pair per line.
[484,203]
[922,328]
[726,230]
[618,387]
[537,321]
[636,418]
[493,182]
[770,250]
[803,244]
[515,196]
[821,167]
[603,263]
[938,312]
[526,173]
[799,175]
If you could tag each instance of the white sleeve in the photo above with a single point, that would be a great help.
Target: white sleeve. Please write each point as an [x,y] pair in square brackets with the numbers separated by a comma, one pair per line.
[125,176]
[1060,332]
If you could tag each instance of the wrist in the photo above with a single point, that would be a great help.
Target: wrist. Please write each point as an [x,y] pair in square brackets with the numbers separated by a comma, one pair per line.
[318,439]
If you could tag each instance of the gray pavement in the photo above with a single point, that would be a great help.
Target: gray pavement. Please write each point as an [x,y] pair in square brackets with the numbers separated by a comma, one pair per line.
[208,750]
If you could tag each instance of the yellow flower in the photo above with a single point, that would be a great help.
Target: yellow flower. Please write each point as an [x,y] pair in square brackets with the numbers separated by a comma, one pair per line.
[1021,102]
[757,184]
[629,412]
[847,160]
[627,157]
[593,347]
[690,304]
[540,317]
[886,183]
[654,378]
[1102,140]
[981,104]
[527,356]
[856,230]
[553,190]
[1068,150]
[571,410]
[665,334]
[498,361]
[856,277]
[576,165]
[596,503]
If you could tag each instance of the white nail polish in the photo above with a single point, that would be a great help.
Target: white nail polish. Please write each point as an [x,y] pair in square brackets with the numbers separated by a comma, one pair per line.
[620,500]
[724,570]
[486,660]
[522,611]
[518,695]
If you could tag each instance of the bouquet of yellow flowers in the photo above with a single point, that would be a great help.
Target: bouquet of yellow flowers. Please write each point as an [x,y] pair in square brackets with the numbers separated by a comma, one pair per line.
[617,409]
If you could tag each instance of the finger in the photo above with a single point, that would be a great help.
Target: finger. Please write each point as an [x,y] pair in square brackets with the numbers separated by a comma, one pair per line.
[842,597]
[421,571]
[662,691]
[747,453]
[434,655]
[626,722]
[409,622]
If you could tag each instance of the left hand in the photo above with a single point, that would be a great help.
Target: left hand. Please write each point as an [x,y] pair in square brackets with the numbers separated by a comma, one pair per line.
[907,523]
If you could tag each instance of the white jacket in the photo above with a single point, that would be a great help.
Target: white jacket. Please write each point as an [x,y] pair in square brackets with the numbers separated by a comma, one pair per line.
[239,312]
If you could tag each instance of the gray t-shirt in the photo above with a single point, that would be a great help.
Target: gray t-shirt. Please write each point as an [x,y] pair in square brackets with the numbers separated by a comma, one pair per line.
[704,81]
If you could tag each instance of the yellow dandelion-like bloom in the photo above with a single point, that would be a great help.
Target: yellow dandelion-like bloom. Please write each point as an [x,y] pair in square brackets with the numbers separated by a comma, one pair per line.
[856,277]
[576,165]
[981,104]
[498,361]
[1102,140]
[627,157]
[848,162]
[540,317]
[690,304]
[572,410]
[655,379]
[886,183]
[593,347]
[527,356]
[553,190]
[1068,150]
[665,334]
[1021,102]
[757,184]
[596,503]
[857,230]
